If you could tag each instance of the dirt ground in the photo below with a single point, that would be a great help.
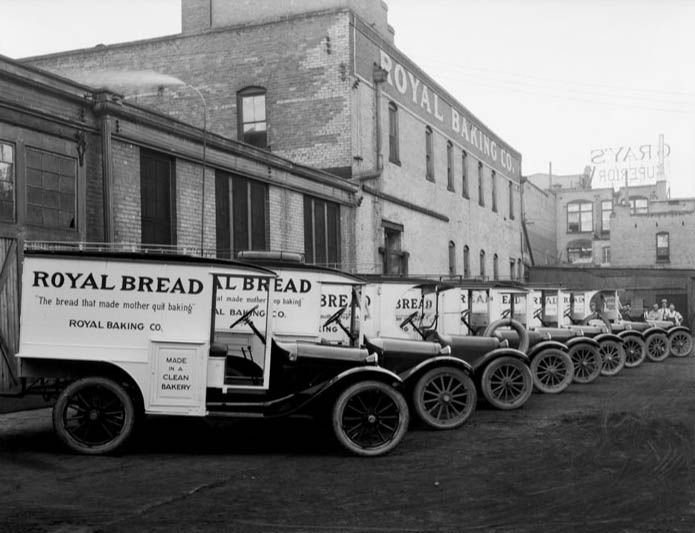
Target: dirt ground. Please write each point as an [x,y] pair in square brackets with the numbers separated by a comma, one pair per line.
[616,455]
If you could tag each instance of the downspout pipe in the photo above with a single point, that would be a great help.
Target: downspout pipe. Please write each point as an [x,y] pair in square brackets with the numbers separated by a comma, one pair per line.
[379,76]
[100,99]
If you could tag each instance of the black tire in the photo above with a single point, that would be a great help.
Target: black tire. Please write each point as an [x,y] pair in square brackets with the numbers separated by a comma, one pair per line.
[515,325]
[657,347]
[94,416]
[680,343]
[444,397]
[635,351]
[507,383]
[612,357]
[370,418]
[586,361]
[552,371]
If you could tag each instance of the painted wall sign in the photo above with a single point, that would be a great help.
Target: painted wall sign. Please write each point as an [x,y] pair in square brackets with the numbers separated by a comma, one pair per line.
[634,165]
[407,85]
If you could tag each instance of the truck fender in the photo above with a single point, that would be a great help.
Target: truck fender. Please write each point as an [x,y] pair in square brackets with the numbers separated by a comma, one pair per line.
[672,330]
[608,337]
[481,363]
[630,333]
[546,345]
[412,373]
[648,332]
[351,375]
[582,340]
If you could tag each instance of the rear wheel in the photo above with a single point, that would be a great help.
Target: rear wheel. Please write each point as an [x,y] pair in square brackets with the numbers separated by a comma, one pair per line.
[507,383]
[586,361]
[552,371]
[94,416]
[635,351]
[680,343]
[612,356]
[444,397]
[657,347]
[370,418]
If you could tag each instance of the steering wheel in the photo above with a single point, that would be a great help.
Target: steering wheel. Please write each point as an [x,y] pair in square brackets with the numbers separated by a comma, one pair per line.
[335,316]
[244,317]
[408,320]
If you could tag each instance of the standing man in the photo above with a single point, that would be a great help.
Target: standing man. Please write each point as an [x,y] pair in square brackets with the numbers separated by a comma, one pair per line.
[664,310]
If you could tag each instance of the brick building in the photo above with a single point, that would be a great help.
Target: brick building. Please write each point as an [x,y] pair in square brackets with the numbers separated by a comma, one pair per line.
[635,239]
[322,83]
[79,164]
[590,226]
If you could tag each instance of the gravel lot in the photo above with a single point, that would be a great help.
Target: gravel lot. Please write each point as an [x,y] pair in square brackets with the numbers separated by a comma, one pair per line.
[616,455]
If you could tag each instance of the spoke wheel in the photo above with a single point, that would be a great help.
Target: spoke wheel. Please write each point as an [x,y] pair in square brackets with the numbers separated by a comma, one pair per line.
[635,351]
[612,356]
[587,363]
[507,383]
[657,347]
[444,397]
[94,416]
[552,371]
[370,418]
[680,343]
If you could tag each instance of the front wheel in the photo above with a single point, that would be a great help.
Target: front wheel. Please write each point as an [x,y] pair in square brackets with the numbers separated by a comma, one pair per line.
[657,347]
[612,356]
[587,363]
[635,351]
[93,416]
[552,371]
[680,343]
[507,383]
[370,418]
[444,397]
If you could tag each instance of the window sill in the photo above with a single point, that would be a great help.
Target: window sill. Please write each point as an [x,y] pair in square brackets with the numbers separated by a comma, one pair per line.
[451,189]
[395,162]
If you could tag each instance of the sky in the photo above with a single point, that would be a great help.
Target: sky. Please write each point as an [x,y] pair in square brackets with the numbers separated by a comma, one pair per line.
[567,83]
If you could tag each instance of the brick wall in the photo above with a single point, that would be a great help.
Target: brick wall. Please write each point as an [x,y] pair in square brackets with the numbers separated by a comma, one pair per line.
[304,63]
[633,238]
[126,192]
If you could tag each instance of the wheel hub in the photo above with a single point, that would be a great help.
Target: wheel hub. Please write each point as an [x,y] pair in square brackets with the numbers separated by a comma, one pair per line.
[371,419]
[446,398]
[93,415]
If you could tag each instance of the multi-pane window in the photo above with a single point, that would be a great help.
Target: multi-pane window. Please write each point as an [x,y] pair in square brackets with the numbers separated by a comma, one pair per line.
[321,232]
[429,154]
[252,117]
[464,174]
[493,179]
[7,183]
[639,205]
[662,247]
[482,263]
[606,211]
[466,262]
[579,217]
[606,255]
[450,166]
[452,258]
[395,259]
[481,185]
[520,269]
[241,214]
[579,252]
[157,198]
[495,267]
[394,155]
[51,189]
[511,200]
